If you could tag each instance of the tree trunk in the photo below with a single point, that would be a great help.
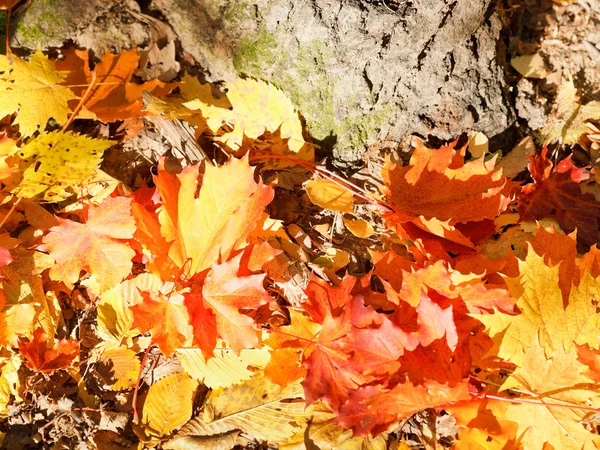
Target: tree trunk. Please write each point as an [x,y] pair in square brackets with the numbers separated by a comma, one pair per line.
[358,71]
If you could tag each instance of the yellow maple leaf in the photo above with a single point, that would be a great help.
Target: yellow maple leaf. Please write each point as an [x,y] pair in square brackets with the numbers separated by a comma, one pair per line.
[558,385]
[33,87]
[543,316]
[257,107]
[122,367]
[57,162]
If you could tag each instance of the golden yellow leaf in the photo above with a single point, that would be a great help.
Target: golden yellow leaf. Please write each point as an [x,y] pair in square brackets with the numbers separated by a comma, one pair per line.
[542,314]
[33,88]
[123,366]
[9,383]
[359,228]
[225,441]
[259,408]
[225,368]
[169,403]
[558,385]
[57,163]
[325,434]
[329,195]
[27,305]
[257,107]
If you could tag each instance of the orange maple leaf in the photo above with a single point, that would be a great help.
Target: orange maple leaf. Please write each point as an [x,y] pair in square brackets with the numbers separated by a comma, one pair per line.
[114,96]
[98,246]
[196,229]
[164,319]
[46,360]
[438,190]
[224,294]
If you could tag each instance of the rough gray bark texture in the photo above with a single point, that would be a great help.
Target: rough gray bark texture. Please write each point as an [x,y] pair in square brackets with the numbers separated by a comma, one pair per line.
[357,71]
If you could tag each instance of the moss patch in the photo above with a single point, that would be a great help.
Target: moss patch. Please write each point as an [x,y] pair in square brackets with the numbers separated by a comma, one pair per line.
[42,23]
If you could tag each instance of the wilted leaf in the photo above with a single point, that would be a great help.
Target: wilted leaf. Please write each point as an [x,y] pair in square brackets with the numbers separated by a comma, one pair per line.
[257,407]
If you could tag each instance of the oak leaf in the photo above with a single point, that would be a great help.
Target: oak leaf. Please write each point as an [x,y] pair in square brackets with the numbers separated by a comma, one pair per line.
[34,89]
[43,359]
[98,246]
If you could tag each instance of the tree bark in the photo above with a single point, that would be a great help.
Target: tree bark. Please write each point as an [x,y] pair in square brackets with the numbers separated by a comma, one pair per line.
[358,71]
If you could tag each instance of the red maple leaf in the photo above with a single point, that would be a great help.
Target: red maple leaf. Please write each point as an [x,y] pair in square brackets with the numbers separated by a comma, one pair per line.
[43,359]
[557,194]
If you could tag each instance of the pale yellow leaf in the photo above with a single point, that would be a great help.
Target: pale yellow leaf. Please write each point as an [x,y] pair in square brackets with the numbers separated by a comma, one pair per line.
[516,160]
[329,195]
[225,441]
[225,368]
[478,144]
[258,407]
[530,66]
[359,228]
[169,403]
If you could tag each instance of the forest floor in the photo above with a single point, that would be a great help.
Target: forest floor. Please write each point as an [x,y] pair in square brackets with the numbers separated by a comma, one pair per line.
[543,45]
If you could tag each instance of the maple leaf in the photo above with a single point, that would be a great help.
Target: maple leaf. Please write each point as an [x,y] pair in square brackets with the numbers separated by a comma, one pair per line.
[372,409]
[98,246]
[543,316]
[436,192]
[164,318]
[46,360]
[121,367]
[439,184]
[568,124]
[113,96]
[224,294]
[557,387]
[257,107]
[57,163]
[199,230]
[556,194]
[33,87]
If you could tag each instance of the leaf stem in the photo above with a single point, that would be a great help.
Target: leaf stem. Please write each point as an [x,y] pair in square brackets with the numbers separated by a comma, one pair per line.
[540,403]
[81,102]
[136,417]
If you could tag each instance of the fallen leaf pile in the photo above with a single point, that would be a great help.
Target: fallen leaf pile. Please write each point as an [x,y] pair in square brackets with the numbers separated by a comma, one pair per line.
[197,312]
